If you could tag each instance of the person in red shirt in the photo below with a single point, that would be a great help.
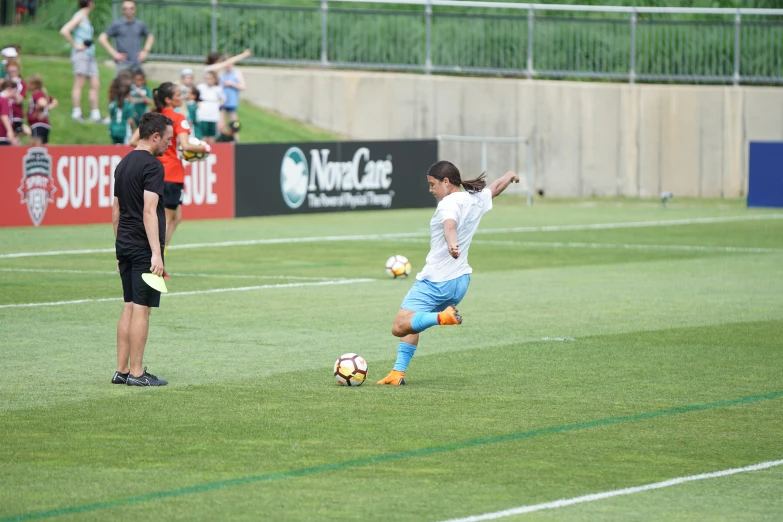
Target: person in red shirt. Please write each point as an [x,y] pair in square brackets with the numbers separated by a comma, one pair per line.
[7,94]
[167,98]
[17,109]
[38,112]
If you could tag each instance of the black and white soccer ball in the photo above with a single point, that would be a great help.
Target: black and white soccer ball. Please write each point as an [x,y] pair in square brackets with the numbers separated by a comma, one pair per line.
[350,369]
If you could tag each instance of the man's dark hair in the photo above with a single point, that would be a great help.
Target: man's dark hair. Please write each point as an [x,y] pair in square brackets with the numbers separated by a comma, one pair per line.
[84,3]
[151,123]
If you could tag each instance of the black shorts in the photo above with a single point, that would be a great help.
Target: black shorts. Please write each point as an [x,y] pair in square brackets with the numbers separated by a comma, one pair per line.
[135,260]
[172,195]
[41,132]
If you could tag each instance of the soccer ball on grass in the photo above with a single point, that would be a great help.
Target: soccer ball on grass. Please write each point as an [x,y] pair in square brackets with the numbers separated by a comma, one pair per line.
[398,266]
[193,156]
[350,369]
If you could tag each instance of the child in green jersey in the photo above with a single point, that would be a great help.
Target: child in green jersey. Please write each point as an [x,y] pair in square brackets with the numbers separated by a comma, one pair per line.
[121,112]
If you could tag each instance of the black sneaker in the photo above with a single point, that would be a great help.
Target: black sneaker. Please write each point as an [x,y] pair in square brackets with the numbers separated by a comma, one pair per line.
[120,378]
[146,379]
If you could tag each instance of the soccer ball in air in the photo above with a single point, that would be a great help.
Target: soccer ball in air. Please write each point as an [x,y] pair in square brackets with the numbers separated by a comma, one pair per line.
[398,266]
[350,369]
[193,156]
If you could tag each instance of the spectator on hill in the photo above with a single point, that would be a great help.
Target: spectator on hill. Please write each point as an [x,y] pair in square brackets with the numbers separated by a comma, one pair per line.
[219,61]
[232,81]
[7,93]
[38,113]
[128,33]
[10,52]
[26,6]
[17,108]
[208,112]
[32,8]
[186,84]
[141,96]
[21,9]
[79,33]
[121,112]
[192,108]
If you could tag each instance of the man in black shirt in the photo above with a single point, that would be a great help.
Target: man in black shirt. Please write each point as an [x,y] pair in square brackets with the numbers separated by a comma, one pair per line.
[139,228]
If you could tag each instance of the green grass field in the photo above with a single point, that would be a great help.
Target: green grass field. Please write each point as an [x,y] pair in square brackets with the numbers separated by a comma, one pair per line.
[591,359]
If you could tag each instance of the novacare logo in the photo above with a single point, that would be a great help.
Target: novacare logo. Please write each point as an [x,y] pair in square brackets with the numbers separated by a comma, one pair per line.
[359,174]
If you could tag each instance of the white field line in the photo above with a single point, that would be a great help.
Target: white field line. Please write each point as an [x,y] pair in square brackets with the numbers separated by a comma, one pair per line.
[196,292]
[620,246]
[615,493]
[630,246]
[177,274]
[383,237]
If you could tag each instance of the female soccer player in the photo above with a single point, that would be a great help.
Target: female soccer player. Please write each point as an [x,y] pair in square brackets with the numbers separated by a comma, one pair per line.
[444,280]
[167,98]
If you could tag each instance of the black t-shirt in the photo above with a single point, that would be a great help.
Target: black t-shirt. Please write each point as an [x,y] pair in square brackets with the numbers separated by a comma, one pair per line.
[137,172]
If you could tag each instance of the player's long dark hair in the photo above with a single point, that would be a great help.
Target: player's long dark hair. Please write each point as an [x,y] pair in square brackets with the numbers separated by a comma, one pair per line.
[163,91]
[445,169]
[119,92]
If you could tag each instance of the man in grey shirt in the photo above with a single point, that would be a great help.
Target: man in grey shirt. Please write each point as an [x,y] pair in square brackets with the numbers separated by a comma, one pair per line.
[128,32]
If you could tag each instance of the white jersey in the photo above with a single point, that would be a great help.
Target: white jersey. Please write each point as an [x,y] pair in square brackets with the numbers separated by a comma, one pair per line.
[212,97]
[466,209]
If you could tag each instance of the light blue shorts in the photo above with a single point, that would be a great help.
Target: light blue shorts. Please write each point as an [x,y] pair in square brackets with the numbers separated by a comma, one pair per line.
[426,296]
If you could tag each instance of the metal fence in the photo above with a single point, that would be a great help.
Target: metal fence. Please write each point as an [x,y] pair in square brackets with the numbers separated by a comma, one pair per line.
[519,146]
[452,36]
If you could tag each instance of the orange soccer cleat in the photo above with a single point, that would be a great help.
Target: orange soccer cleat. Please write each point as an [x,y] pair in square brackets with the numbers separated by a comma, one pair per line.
[449,316]
[395,378]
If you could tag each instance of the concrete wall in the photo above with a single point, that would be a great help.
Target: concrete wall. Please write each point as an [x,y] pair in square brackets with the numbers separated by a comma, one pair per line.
[601,139]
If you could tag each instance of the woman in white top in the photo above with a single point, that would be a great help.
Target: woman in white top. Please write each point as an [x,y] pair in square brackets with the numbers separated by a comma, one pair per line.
[208,111]
[445,278]
[79,34]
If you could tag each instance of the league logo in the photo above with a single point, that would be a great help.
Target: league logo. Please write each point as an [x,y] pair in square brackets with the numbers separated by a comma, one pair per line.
[294,175]
[37,186]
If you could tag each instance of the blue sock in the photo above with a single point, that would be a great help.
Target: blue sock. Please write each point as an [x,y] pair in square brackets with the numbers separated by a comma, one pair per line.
[421,321]
[405,353]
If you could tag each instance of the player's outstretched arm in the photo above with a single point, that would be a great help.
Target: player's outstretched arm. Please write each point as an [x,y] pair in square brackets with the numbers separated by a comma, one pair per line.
[499,185]
[229,61]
